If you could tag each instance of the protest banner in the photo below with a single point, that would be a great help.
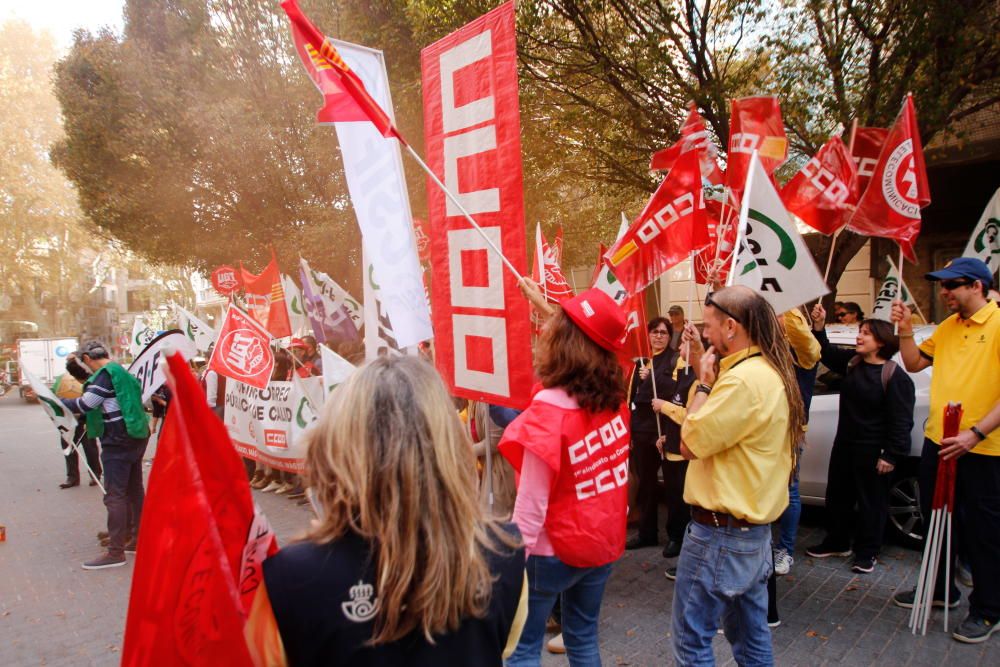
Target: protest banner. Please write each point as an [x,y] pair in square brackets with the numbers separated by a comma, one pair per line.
[146,366]
[244,350]
[472,130]
[984,243]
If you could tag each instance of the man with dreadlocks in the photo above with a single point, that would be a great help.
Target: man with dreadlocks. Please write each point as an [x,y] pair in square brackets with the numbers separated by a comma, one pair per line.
[740,435]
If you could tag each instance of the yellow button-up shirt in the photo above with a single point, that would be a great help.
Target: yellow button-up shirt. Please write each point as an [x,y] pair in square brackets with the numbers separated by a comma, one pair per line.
[966,356]
[740,439]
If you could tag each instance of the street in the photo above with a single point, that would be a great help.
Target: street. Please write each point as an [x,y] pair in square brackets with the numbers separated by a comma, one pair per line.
[54,613]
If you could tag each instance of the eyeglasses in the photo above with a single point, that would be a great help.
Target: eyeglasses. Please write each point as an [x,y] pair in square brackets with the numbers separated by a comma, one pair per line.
[954,284]
[659,332]
[709,301]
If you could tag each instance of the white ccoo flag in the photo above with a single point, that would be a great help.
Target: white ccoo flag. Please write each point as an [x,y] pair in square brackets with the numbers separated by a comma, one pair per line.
[985,241]
[196,330]
[773,259]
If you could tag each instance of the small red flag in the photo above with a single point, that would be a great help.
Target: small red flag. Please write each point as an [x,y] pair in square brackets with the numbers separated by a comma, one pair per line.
[243,351]
[636,338]
[345,96]
[755,124]
[266,298]
[668,230]
[601,249]
[694,136]
[868,142]
[553,283]
[225,280]
[203,542]
[825,189]
[708,257]
[890,207]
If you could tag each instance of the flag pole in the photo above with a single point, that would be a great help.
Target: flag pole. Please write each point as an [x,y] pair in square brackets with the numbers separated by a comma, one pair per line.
[81,455]
[895,327]
[465,214]
[691,290]
[829,257]
[744,212]
[652,369]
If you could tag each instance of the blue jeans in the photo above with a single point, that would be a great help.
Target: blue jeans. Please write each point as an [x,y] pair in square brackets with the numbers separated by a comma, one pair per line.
[722,573]
[582,590]
[789,521]
[124,493]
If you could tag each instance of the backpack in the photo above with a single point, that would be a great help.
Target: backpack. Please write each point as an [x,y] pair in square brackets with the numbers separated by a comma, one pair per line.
[888,368]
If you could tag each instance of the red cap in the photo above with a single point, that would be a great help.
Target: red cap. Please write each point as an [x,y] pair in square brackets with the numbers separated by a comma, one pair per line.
[298,342]
[599,317]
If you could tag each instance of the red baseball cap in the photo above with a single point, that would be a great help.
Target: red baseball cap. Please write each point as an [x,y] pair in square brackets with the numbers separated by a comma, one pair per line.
[599,317]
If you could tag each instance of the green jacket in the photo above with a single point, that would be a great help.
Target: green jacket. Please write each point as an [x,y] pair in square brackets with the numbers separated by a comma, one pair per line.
[128,392]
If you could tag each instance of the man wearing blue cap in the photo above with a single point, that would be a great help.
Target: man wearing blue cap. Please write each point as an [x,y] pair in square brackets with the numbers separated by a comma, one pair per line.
[965,352]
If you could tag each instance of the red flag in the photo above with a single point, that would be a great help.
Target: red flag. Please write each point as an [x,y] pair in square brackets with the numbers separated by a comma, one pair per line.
[553,283]
[202,541]
[825,189]
[345,96]
[694,136]
[243,351]
[868,142]
[668,230]
[266,298]
[225,280]
[890,207]
[636,338]
[755,125]
[706,258]
[601,249]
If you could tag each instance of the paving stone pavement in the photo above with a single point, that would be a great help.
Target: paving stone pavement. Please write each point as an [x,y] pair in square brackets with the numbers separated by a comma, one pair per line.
[54,613]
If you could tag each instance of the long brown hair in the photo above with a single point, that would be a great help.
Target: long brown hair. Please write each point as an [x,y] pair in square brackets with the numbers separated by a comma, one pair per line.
[567,358]
[757,317]
[388,461]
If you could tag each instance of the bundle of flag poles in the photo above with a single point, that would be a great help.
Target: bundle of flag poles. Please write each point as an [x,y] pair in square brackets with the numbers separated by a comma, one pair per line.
[938,533]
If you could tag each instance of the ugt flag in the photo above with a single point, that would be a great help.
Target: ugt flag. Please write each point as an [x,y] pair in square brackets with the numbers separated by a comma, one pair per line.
[773,259]
[266,299]
[550,278]
[244,350]
[890,207]
[62,418]
[892,288]
[985,241]
[198,332]
[669,229]
[825,189]
[203,542]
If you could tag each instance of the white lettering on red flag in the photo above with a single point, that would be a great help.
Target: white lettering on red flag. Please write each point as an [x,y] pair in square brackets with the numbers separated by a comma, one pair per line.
[755,125]
[472,131]
[825,189]
[243,351]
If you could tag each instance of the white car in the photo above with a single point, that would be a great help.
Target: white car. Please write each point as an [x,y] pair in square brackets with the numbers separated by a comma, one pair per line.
[905,519]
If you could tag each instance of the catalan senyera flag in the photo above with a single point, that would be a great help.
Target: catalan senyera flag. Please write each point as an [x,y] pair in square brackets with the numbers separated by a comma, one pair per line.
[890,206]
[345,97]
[825,190]
[694,136]
[266,298]
[669,229]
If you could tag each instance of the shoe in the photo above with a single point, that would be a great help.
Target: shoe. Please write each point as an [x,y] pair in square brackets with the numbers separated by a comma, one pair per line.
[296,495]
[273,486]
[670,573]
[783,562]
[105,542]
[556,645]
[823,550]
[287,487]
[105,561]
[103,535]
[130,545]
[638,543]
[672,550]
[69,484]
[260,483]
[553,626]
[905,600]
[964,574]
[864,565]
[974,629]
[773,624]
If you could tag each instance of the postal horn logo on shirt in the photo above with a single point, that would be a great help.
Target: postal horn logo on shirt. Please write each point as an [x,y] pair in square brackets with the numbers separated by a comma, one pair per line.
[362,605]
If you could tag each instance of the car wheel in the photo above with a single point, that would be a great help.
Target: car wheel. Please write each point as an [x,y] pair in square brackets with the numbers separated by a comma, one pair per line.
[905,519]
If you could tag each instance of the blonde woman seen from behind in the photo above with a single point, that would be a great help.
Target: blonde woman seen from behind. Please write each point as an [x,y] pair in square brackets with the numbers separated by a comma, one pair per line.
[402,567]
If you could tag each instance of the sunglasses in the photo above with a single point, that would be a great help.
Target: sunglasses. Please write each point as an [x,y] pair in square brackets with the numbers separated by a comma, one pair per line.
[711,302]
[840,315]
[954,284]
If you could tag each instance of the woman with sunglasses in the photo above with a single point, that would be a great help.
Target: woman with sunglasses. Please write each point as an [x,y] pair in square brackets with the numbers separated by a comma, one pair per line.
[873,434]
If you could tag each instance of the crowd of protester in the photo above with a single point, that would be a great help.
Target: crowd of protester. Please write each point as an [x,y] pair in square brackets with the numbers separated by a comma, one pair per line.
[441,542]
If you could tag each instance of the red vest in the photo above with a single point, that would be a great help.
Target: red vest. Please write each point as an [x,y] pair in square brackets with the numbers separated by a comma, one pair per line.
[588,452]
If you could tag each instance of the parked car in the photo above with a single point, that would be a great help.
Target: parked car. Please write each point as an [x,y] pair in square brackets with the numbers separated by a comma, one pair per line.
[905,521]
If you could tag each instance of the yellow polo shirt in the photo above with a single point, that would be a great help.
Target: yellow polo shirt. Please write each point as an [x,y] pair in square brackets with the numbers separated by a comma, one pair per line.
[799,335]
[966,356]
[740,436]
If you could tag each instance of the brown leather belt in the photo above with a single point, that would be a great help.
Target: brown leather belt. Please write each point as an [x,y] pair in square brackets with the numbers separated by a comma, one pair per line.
[718,519]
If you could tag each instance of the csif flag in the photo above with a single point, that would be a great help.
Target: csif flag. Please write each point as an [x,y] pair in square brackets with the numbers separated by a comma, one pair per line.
[694,136]
[890,206]
[296,308]
[551,280]
[773,259]
[61,417]
[196,331]
[141,336]
[825,189]
[243,351]
[266,299]
[755,124]
[892,288]
[866,146]
[669,229]
[345,98]
[985,241]
[203,542]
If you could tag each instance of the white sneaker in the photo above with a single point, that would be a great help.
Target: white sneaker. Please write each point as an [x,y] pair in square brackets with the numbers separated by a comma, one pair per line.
[285,488]
[273,486]
[783,562]
[556,645]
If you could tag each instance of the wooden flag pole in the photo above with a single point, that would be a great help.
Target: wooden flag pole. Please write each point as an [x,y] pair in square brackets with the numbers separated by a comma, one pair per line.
[895,327]
[691,290]
[829,256]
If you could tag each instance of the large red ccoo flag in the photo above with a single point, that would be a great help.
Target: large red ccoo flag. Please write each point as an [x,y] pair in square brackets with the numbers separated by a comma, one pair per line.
[865,149]
[825,190]
[669,229]
[201,542]
[890,207]
[755,124]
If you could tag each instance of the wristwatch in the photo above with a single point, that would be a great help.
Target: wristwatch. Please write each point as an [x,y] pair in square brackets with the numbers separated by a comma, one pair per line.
[979,434]
[704,388]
